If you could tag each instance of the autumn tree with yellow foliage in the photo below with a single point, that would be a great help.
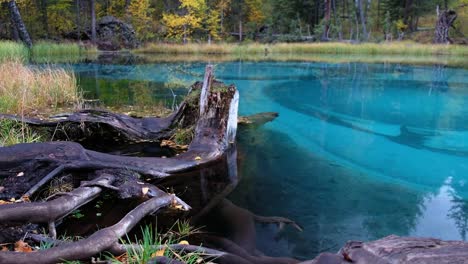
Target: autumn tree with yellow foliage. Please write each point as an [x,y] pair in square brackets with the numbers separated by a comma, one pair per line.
[192,16]
[140,17]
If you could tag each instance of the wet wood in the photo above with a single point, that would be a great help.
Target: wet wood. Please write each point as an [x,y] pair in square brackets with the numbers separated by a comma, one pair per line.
[395,249]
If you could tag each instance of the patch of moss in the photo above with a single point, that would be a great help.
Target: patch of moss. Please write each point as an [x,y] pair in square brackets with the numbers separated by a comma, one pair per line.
[219,87]
[183,136]
[193,97]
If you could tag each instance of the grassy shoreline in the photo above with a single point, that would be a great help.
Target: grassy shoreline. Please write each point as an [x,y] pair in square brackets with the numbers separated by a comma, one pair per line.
[334,52]
[44,52]
[393,48]
[450,61]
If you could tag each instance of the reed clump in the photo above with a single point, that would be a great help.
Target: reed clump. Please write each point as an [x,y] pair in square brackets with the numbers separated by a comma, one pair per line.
[25,90]
[10,50]
[45,49]
[44,52]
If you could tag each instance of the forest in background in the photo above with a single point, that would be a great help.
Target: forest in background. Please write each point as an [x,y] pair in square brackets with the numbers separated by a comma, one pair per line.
[182,21]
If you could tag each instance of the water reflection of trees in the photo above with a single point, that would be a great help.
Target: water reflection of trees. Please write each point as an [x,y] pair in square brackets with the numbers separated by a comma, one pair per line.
[459,213]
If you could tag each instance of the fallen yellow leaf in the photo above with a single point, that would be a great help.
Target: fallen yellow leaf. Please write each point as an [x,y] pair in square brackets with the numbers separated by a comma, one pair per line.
[198,158]
[21,246]
[144,190]
[184,242]
[159,253]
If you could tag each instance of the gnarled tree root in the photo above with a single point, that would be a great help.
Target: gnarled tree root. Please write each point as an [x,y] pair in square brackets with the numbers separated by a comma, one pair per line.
[98,242]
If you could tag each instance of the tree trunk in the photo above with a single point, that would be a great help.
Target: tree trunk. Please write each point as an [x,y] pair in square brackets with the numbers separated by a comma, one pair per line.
[327,19]
[444,22]
[44,17]
[19,24]
[78,18]
[240,30]
[361,18]
[93,21]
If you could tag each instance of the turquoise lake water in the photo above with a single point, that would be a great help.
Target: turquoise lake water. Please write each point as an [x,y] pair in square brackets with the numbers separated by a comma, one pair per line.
[359,151]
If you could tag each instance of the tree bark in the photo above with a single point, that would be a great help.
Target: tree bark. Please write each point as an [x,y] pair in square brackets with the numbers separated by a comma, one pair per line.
[78,18]
[93,21]
[19,24]
[361,18]
[444,23]
[327,17]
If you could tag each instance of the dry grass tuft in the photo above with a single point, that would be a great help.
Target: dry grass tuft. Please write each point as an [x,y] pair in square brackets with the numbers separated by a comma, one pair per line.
[25,90]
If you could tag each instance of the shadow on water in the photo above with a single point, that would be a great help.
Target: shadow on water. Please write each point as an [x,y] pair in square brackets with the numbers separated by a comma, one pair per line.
[202,189]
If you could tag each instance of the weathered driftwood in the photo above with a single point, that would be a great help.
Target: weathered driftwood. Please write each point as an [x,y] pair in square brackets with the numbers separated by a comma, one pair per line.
[395,249]
[100,125]
[49,212]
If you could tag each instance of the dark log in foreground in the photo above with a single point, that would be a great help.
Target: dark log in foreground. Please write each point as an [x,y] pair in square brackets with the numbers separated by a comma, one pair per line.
[45,212]
[395,249]
[96,243]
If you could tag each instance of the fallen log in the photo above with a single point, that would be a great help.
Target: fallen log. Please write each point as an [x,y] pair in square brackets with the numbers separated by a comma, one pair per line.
[395,249]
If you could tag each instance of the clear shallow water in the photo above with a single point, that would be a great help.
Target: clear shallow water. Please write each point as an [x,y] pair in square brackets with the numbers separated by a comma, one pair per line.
[359,151]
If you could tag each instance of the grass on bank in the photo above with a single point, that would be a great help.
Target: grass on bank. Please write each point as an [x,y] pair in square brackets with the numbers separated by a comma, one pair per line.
[392,48]
[43,51]
[10,50]
[153,244]
[13,132]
